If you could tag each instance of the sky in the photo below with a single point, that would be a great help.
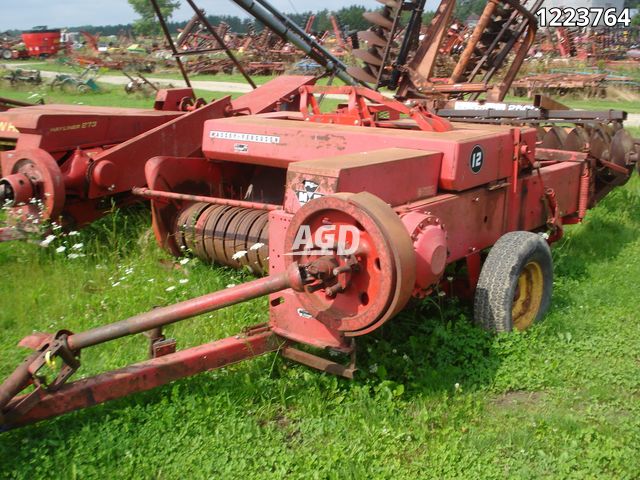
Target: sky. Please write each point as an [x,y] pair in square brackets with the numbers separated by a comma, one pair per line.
[25,14]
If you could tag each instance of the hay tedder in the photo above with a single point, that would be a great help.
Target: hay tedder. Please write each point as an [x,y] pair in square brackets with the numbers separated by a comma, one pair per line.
[344,216]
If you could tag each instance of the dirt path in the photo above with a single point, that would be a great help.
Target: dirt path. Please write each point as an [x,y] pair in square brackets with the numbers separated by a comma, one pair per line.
[633,120]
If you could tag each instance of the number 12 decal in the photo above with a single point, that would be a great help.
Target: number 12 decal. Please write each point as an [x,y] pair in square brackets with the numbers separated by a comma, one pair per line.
[477,159]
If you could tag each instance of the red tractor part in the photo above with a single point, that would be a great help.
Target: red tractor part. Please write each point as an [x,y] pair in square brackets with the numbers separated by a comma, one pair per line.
[358,218]
[42,42]
[80,160]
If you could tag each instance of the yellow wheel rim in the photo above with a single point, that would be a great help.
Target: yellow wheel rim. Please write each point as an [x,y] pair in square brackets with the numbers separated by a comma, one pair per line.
[528,296]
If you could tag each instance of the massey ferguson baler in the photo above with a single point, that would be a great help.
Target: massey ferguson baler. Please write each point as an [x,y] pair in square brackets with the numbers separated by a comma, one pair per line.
[349,214]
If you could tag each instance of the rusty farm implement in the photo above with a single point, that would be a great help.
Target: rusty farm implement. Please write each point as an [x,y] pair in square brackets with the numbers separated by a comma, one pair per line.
[345,215]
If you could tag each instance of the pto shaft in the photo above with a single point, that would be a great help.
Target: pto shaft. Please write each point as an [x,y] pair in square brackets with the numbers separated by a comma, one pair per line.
[160,317]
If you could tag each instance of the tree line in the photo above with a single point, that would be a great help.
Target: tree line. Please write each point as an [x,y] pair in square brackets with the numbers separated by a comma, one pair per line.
[349,18]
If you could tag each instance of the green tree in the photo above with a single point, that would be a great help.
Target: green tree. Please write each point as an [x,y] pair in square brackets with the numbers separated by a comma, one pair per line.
[148,24]
[465,8]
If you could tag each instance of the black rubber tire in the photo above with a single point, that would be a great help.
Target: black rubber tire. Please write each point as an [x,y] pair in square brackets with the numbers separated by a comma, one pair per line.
[498,280]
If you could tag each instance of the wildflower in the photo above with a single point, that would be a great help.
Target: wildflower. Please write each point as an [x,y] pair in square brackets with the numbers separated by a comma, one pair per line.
[373,368]
[238,255]
[73,256]
[170,289]
[61,249]
[457,386]
[73,233]
[151,280]
[47,241]
[115,284]
[184,261]
[442,294]
[405,357]
[77,246]
[256,246]
[231,285]
[184,280]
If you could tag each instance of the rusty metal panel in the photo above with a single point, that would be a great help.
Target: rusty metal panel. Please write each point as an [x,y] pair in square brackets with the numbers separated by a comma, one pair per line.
[377,172]
[279,92]
[473,220]
[563,178]
[65,127]
[264,141]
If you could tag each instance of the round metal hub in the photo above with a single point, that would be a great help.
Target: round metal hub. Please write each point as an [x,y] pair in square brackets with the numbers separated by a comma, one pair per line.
[44,174]
[382,281]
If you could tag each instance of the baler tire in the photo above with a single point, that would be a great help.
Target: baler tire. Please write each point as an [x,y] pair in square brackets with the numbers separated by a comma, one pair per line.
[517,258]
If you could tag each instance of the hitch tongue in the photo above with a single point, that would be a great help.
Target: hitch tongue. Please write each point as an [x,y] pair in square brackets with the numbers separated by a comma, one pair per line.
[53,397]
[67,346]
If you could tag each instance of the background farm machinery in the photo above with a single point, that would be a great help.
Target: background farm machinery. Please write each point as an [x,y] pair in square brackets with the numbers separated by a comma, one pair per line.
[77,162]
[346,214]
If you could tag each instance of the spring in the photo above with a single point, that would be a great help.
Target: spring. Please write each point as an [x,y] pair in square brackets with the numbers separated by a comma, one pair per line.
[231,236]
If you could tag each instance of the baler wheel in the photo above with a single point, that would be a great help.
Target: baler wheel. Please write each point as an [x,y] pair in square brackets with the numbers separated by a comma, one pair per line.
[516,282]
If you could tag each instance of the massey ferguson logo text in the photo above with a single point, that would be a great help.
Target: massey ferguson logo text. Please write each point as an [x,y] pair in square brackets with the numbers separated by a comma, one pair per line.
[326,240]
[243,137]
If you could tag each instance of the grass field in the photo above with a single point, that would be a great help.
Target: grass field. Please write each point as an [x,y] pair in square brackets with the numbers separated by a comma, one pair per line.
[107,96]
[435,396]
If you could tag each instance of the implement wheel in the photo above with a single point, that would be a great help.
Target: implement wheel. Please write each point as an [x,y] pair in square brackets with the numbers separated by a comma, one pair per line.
[516,282]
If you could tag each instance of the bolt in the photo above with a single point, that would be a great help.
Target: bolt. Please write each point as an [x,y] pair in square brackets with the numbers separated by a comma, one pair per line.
[334,290]
[343,269]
